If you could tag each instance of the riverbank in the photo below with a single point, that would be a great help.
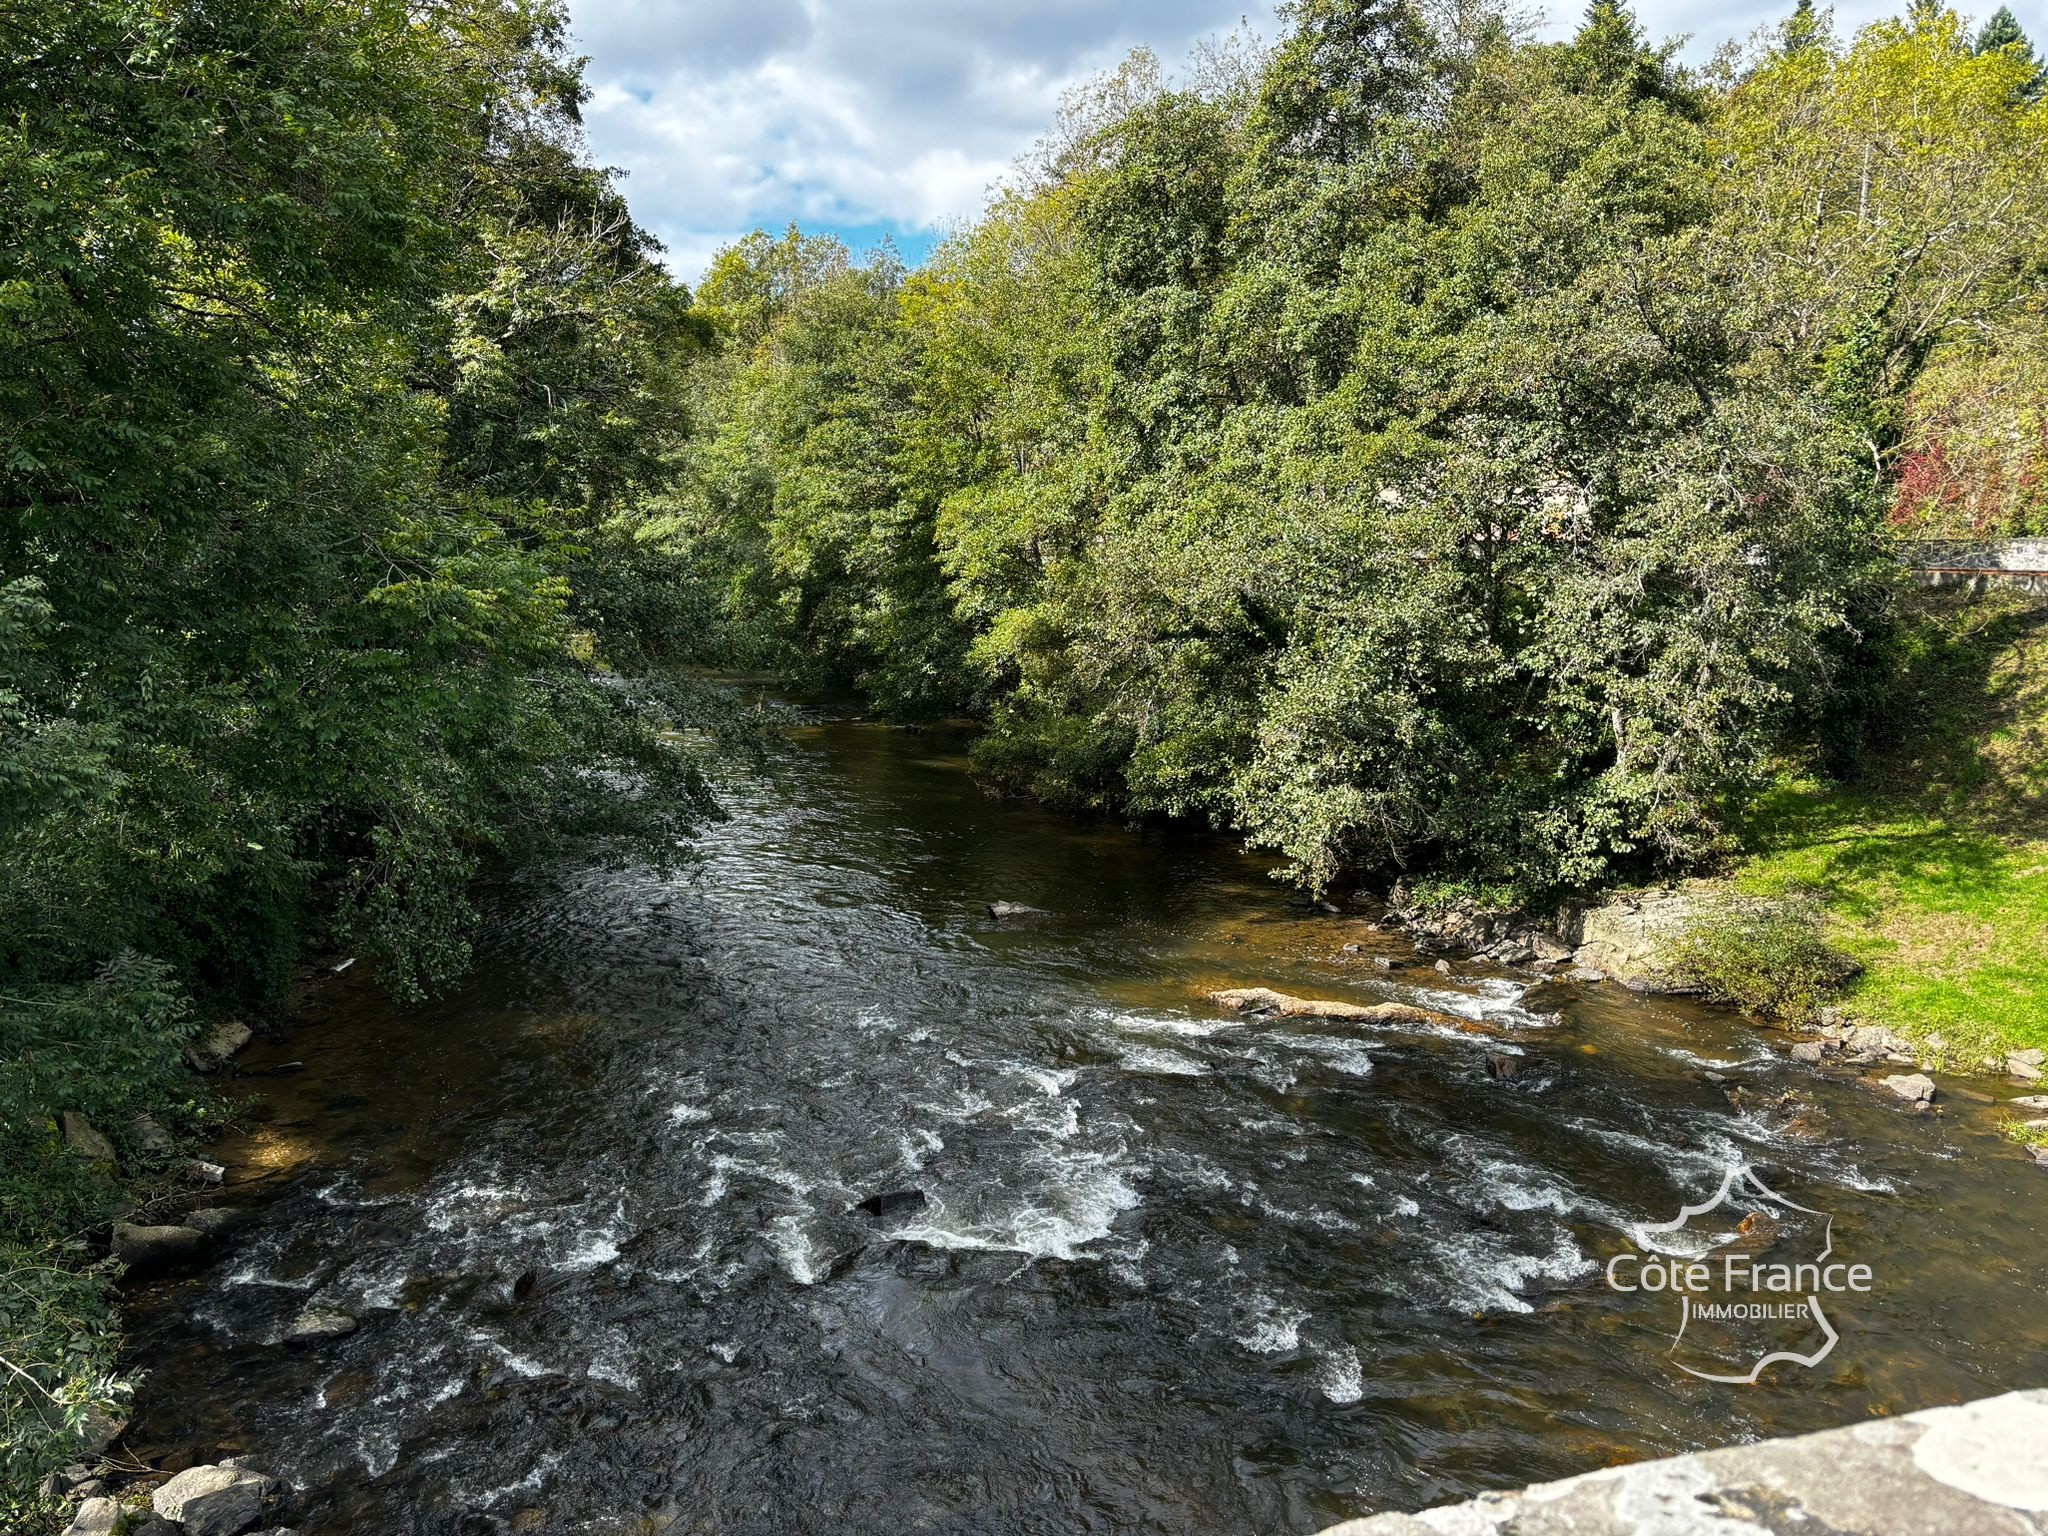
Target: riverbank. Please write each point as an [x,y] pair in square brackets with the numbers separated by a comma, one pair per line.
[1911,897]
[1931,870]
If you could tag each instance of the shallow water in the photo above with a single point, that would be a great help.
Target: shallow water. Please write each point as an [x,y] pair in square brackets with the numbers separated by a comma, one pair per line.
[1179,1271]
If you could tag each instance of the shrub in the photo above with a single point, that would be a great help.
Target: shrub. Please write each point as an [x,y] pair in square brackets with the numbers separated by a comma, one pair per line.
[1771,959]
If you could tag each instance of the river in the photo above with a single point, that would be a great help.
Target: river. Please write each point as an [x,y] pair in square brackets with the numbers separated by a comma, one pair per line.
[1177,1271]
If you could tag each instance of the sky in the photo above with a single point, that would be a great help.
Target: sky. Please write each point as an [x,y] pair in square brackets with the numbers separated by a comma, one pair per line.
[873,118]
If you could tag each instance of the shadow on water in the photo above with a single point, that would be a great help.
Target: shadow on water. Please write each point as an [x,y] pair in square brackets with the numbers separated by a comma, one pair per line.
[1173,1272]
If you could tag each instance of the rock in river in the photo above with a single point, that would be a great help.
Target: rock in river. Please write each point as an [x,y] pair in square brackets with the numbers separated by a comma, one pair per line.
[316,1325]
[1000,910]
[147,1247]
[1914,1087]
[213,1501]
[1265,1000]
[217,1044]
[1633,937]
[214,1219]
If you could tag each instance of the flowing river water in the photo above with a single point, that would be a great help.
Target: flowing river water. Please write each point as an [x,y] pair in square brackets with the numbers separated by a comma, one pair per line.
[1177,1271]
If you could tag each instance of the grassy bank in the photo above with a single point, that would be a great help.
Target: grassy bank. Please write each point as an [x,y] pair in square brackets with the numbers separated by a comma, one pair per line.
[1932,866]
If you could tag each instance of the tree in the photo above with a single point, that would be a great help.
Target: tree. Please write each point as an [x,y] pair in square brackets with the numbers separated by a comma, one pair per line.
[1804,28]
[2003,34]
[330,374]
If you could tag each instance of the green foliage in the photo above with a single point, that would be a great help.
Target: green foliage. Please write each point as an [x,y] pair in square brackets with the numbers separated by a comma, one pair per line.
[58,1340]
[1771,959]
[334,386]
[106,1047]
[810,503]
[2003,34]
[1419,450]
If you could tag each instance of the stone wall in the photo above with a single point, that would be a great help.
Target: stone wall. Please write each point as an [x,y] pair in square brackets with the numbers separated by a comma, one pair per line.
[1976,1470]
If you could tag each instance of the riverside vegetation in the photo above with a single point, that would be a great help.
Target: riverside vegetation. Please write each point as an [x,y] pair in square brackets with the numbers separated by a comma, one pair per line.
[1426,452]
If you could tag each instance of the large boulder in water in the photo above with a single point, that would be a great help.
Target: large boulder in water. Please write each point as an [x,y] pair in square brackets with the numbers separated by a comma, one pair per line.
[214,1500]
[317,1325]
[1266,1002]
[1914,1088]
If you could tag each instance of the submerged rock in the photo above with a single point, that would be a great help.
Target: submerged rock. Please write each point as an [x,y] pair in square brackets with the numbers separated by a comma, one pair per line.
[1000,910]
[894,1204]
[317,1325]
[1914,1088]
[147,1247]
[1264,1000]
[213,1500]
[213,1219]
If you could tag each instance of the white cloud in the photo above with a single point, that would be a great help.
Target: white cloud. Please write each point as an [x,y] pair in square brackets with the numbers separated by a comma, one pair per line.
[732,114]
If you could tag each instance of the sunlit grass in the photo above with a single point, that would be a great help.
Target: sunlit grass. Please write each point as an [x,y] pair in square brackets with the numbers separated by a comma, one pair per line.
[1933,870]
[1950,923]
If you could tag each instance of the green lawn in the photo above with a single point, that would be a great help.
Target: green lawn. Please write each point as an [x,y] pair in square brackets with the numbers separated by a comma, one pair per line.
[1933,868]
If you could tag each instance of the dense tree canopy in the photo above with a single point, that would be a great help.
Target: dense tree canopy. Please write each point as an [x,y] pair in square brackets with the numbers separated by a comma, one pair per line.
[331,374]
[1416,447]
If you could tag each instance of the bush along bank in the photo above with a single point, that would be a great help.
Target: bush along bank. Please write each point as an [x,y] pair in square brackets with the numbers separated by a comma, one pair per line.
[1415,450]
[87,1193]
